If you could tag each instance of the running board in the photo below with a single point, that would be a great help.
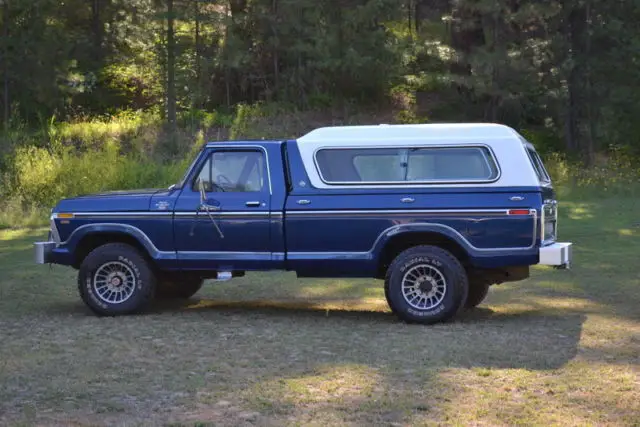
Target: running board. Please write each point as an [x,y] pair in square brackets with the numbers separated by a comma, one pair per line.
[224,276]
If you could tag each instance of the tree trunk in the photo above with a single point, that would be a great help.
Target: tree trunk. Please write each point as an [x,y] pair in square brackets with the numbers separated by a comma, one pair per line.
[276,45]
[199,88]
[197,40]
[591,122]
[98,33]
[5,64]
[578,129]
[171,67]
[410,18]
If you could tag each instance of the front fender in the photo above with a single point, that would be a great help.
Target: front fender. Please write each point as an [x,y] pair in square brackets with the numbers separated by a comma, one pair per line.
[81,232]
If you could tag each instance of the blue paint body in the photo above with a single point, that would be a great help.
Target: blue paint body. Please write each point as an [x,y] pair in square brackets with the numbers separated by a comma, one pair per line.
[338,233]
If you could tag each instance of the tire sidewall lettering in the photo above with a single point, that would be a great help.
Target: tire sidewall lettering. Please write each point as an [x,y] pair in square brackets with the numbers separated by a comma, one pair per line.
[421,260]
[426,313]
[136,271]
[91,292]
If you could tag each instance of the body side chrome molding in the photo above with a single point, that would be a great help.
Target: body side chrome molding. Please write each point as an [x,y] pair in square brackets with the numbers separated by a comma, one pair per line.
[138,214]
[387,211]
[335,212]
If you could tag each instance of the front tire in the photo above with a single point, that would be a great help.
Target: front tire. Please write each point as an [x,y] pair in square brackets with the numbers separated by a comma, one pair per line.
[115,279]
[426,285]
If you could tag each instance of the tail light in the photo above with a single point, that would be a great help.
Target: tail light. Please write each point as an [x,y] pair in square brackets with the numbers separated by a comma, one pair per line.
[549,221]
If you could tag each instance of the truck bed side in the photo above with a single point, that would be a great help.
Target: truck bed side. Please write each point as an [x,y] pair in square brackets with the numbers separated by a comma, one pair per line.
[350,232]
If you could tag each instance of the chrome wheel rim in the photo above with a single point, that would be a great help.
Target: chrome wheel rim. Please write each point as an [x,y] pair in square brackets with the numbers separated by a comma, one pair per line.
[424,287]
[114,282]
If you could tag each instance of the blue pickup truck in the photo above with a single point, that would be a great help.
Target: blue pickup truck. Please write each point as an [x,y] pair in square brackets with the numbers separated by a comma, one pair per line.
[437,212]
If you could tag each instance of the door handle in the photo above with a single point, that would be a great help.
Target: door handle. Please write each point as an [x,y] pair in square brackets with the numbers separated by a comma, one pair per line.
[252,204]
[407,200]
[304,202]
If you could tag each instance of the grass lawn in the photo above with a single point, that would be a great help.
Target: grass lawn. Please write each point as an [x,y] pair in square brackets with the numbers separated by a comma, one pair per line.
[561,348]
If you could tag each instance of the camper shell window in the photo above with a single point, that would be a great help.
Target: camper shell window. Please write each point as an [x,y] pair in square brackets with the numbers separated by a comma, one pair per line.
[407,165]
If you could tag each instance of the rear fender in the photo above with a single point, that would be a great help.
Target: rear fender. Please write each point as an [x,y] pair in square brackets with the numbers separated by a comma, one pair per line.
[408,229]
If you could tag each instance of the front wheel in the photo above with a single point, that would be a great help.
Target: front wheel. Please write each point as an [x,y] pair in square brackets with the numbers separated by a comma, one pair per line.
[426,284]
[115,279]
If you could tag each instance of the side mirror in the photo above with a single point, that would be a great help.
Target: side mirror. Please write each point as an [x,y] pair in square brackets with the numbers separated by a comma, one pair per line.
[206,205]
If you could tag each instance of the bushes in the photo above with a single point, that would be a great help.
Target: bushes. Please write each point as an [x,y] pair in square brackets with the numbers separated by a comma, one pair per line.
[39,178]
[130,150]
[614,174]
[133,151]
[69,159]
[42,177]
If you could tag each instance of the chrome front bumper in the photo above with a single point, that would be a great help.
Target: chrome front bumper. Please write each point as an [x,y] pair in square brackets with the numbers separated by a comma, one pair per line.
[558,255]
[43,252]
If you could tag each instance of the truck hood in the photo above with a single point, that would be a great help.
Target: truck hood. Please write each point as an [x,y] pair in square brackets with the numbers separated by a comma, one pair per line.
[110,201]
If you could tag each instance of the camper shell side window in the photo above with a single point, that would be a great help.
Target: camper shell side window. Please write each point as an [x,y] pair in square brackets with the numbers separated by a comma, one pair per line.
[425,164]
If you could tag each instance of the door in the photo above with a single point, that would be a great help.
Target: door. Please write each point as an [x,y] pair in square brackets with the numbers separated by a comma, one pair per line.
[233,232]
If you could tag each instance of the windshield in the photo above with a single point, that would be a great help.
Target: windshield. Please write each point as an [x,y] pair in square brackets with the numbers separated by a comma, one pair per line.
[182,181]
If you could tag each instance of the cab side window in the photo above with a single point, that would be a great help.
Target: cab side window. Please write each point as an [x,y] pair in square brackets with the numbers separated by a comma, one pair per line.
[232,171]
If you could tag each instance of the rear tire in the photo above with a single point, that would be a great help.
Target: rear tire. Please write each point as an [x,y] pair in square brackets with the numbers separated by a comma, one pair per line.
[426,285]
[477,293]
[178,288]
[115,279]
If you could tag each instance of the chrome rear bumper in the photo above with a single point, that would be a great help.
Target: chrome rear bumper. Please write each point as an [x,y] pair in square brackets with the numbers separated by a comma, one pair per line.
[42,251]
[558,255]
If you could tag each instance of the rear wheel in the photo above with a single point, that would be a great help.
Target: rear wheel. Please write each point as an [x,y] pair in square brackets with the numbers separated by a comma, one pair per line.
[477,293]
[115,279]
[426,284]
[178,288]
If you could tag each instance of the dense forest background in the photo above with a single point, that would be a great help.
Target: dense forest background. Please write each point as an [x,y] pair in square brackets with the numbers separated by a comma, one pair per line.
[100,94]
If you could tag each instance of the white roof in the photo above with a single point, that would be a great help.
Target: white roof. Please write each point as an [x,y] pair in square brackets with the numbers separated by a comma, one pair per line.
[507,145]
[423,132]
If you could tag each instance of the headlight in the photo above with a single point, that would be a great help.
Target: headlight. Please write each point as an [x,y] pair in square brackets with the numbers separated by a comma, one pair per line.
[54,236]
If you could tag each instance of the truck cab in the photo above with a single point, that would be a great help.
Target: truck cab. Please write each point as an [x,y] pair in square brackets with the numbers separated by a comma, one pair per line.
[438,213]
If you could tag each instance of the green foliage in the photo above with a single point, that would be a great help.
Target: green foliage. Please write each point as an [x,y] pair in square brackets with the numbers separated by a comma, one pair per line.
[617,175]
[85,83]
[42,177]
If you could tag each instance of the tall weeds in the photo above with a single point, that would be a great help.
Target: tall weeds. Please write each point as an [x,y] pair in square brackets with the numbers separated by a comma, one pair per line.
[133,151]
